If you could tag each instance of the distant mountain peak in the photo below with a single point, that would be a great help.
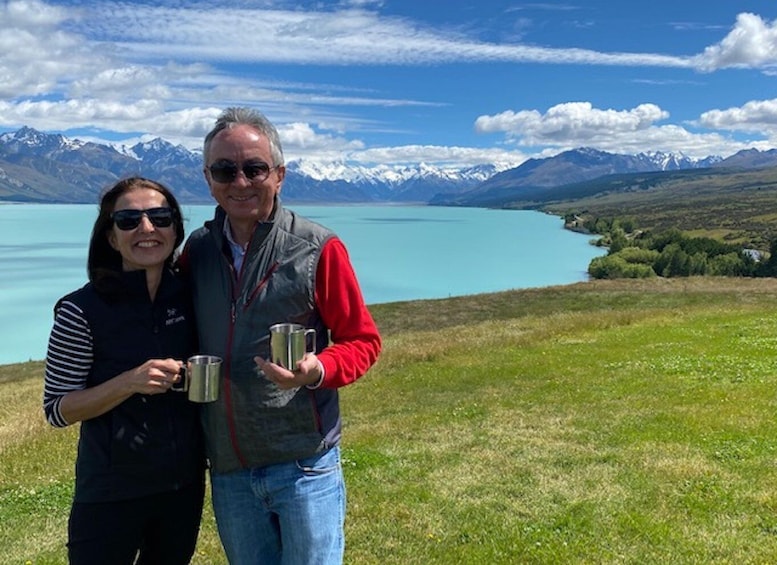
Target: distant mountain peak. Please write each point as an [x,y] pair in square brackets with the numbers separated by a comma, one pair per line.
[529,180]
[156,144]
[32,138]
[40,167]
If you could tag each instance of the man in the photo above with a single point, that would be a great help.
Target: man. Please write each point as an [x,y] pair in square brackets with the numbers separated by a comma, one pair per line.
[273,435]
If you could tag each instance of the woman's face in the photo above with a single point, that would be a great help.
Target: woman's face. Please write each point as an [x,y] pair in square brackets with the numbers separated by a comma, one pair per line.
[145,246]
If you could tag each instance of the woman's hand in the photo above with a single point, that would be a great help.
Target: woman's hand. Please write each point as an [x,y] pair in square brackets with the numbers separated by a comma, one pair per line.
[155,376]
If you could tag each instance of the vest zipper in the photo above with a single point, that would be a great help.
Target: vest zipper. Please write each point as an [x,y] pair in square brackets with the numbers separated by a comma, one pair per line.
[261,285]
[226,380]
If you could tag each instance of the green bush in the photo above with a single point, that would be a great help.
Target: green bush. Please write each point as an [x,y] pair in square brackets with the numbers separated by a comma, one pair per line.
[669,253]
[638,255]
[617,267]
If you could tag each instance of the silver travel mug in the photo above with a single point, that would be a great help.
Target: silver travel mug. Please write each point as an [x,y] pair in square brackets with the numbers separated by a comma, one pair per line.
[289,344]
[200,378]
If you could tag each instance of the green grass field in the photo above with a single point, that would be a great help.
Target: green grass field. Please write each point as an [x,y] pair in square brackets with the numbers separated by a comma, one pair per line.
[602,422]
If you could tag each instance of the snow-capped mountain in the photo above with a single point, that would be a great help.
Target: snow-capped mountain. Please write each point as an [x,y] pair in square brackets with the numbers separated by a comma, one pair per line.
[401,183]
[673,161]
[40,167]
[569,167]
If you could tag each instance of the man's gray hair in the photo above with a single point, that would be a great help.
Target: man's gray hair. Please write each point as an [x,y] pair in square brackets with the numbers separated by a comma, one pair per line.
[240,115]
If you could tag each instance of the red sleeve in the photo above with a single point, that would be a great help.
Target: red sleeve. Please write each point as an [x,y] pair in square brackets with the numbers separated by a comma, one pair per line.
[356,342]
[182,261]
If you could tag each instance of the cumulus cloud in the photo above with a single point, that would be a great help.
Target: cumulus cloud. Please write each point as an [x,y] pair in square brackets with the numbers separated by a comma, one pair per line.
[35,55]
[301,140]
[752,43]
[571,122]
[756,115]
[62,114]
[187,126]
[579,124]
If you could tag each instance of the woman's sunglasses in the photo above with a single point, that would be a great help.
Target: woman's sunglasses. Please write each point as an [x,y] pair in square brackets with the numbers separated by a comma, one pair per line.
[130,219]
[226,171]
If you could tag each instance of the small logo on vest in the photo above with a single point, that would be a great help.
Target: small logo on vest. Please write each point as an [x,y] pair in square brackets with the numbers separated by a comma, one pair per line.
[173,317]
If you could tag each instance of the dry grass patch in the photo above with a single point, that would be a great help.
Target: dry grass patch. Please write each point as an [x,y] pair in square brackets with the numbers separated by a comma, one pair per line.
[21,419]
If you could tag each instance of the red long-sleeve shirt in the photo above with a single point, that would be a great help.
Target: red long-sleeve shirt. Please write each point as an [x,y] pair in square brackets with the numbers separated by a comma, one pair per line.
[356,342]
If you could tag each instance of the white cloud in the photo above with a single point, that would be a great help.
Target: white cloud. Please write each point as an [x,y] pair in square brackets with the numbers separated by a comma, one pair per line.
[141,34]
[116,82]
[345,35]
[752,43]
[334,37]
[459,156]
[31,13]
[164,69]
[756,115]
[571,122]
[579,124]
[35,55]
[301,140]
[63,114]
[187,126]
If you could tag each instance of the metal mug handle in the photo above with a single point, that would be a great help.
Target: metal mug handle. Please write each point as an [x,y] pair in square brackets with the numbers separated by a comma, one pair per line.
[310,332]
[183,383]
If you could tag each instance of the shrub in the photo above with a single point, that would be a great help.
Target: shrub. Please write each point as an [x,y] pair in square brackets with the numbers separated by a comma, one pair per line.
[616,267]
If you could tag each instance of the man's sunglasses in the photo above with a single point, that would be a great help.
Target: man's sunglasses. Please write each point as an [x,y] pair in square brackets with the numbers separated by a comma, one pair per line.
[226,171]
[130,219]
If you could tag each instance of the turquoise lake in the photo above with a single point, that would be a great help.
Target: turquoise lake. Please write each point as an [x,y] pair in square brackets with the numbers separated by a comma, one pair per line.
[399,253]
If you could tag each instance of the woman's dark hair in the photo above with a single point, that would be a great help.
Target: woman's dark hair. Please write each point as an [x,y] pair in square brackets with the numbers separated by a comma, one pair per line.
[104,261]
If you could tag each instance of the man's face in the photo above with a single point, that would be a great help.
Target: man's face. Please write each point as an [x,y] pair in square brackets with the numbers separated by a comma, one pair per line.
[245,200]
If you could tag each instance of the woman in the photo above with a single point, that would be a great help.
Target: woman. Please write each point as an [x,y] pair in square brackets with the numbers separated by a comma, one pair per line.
[114,353]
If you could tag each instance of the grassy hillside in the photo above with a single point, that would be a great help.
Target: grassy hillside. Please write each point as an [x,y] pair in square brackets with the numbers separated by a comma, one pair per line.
[737,206]
[603,422]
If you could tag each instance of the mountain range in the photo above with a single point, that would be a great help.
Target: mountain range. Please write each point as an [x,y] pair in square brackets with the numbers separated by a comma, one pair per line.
[37,167]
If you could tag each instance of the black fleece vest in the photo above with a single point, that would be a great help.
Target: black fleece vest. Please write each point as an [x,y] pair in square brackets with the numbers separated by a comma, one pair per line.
[148,443]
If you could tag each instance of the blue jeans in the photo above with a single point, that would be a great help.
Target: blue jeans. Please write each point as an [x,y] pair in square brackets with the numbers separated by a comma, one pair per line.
[286,514]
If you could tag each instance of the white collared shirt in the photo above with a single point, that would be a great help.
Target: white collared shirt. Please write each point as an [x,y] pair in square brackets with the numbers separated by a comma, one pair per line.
[238,256]
[238,251]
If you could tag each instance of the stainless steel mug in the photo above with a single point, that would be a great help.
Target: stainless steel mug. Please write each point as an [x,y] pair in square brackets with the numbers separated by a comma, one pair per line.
[201,378]
[289,344]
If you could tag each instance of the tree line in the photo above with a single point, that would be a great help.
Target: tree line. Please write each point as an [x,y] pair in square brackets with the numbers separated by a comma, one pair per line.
[634,253]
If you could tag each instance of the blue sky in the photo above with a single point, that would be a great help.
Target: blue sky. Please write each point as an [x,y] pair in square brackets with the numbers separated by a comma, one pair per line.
[400,81]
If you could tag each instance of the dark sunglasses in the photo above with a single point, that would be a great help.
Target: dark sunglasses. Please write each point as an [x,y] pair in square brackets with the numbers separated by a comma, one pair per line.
[226,171]
[130,219]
